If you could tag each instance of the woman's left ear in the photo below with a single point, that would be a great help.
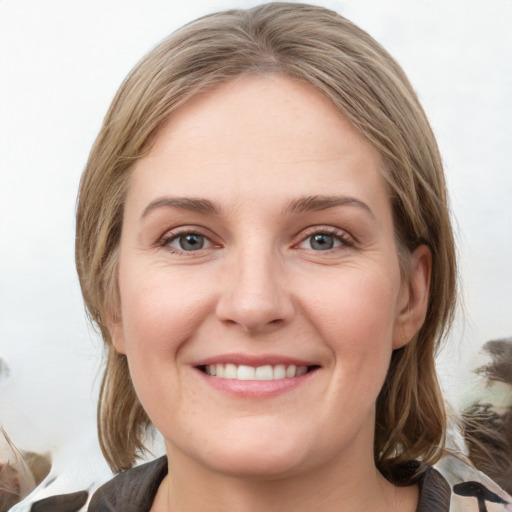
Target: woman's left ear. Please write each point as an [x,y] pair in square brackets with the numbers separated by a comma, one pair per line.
[413,300]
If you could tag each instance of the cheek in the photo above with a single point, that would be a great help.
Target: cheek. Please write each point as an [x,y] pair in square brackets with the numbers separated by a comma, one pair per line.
[356,317]
[357,303]
[158,318]
[160,313]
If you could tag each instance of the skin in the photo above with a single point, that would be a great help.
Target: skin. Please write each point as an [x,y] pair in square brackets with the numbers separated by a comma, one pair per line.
[252,150]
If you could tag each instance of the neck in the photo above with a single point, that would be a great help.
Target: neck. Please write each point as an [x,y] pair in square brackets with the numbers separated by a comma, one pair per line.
[332,487]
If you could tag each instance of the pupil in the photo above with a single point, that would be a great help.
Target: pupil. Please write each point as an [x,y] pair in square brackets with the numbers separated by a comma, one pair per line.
[191,242]
[322,242]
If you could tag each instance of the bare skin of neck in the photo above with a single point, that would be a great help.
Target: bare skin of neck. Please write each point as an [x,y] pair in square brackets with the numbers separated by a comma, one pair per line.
[322,490]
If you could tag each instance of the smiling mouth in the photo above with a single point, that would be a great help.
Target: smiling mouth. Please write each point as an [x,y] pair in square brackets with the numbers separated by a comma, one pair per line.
[262,373]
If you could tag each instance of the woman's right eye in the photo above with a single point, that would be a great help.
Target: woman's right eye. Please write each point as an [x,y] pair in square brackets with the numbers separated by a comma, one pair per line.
[187,242]
[323,241]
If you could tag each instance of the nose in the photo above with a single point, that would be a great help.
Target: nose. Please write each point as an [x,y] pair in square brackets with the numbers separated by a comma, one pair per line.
[255,293]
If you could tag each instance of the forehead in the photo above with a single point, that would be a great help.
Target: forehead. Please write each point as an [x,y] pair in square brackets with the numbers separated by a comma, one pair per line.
[258,136]
[257,113]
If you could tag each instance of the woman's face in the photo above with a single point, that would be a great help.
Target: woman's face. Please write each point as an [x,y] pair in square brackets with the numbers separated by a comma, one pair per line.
[260,288]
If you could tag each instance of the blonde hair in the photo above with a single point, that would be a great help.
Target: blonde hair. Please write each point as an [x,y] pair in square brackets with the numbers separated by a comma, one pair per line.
[319,47]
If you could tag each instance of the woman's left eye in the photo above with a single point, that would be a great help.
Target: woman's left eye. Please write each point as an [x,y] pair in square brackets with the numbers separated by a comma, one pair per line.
[323,241]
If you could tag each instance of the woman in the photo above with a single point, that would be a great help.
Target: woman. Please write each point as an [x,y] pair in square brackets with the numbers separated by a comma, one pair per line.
[263,239]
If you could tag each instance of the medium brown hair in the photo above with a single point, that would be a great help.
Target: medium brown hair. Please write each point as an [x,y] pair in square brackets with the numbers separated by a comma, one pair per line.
[319,47]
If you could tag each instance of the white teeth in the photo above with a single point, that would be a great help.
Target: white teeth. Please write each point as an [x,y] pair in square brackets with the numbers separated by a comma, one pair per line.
[230,371]
[266,372]
[290,371]
[279,371]
[245,372]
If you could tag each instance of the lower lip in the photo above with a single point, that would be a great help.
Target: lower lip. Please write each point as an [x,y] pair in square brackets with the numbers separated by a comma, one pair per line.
[256,388]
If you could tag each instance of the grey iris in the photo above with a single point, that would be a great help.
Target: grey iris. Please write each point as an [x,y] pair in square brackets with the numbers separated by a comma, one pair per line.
[191,242]
[322,242]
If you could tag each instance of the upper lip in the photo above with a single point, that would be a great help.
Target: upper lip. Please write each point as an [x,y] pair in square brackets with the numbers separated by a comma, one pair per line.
[254,360]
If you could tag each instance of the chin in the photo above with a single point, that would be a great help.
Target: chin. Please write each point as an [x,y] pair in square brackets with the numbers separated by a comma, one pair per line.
[250,464]
[257,453]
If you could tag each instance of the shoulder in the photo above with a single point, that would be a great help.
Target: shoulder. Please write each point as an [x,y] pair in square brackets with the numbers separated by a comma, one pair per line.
[472,490]
[132,490]
[453,486]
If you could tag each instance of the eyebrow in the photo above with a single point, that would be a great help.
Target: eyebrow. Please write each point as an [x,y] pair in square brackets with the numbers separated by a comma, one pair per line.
[185,203]
[299,205]
[314,203]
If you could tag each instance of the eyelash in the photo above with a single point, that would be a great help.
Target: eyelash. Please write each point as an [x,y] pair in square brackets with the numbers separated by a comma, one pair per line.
[339,235]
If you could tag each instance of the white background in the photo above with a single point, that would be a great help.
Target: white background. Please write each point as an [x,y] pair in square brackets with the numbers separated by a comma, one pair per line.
[60,65]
